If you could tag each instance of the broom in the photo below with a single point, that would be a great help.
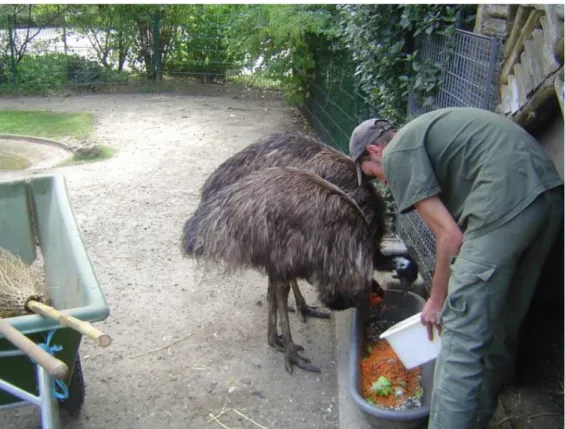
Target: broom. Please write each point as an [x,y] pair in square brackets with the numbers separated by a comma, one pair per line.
[20,295]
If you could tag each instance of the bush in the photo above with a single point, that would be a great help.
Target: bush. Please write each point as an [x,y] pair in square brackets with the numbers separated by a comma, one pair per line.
[39,74]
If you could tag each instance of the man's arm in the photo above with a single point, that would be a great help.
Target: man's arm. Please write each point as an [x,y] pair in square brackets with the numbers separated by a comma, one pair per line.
[448,241]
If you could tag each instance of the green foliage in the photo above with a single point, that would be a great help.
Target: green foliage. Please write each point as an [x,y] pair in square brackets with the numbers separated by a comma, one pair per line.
[46,124]
[109,32]
[279,41]
[200,48]
[363,50]
[382,41]
[36,73]
[39,74]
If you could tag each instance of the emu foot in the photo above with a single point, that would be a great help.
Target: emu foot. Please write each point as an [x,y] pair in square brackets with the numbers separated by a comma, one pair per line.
[306,310]
[291,357]
[278,344]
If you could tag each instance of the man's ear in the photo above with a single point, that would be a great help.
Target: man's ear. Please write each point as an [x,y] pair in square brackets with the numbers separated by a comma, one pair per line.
[374,149]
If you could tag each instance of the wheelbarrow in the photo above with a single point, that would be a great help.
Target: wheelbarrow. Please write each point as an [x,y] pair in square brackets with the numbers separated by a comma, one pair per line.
[35,212]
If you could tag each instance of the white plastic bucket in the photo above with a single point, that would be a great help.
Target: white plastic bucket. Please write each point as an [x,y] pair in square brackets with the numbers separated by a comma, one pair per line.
[409,339]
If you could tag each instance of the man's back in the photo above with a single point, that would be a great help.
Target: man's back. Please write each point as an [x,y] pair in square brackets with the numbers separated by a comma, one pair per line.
[483,166]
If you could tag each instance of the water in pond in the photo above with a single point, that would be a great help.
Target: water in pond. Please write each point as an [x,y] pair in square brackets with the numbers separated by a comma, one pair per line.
[10,161]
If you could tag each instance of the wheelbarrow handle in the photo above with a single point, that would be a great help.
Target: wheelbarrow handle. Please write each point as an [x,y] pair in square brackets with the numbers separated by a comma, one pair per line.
[56,368]
[85,328]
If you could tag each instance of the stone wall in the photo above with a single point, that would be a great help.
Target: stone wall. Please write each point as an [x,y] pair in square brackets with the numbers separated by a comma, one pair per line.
[492,20]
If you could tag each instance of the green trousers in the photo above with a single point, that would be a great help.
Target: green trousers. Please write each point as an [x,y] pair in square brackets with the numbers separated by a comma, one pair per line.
[491,285]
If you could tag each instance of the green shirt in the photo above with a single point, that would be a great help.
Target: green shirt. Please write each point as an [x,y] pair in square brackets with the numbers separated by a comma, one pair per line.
[484,167]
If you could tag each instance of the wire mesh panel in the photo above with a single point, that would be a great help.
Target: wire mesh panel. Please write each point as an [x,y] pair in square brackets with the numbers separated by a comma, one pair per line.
[470,65]
[469,78]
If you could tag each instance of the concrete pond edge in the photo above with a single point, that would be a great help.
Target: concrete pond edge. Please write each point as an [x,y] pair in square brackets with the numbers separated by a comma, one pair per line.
[39,140]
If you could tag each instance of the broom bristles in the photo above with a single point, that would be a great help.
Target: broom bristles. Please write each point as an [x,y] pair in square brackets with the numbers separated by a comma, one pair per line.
[17,286]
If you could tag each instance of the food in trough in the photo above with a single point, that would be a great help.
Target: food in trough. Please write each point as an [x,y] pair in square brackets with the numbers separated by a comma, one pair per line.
[385,382]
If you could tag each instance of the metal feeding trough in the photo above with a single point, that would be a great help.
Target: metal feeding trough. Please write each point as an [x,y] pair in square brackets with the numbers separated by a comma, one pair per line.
[398,305]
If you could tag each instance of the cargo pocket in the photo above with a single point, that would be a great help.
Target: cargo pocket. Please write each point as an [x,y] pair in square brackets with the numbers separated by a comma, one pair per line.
[466,308]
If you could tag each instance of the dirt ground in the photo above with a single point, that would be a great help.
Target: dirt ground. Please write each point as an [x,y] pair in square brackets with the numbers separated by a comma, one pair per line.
[130,210]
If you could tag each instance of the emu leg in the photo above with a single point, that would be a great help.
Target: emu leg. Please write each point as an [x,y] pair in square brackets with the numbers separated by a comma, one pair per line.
[303,308]
[272,317]
[273,338]
[291,353]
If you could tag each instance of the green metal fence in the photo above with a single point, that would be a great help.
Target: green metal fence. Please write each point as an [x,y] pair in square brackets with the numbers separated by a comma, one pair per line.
[336,105]
[149,54]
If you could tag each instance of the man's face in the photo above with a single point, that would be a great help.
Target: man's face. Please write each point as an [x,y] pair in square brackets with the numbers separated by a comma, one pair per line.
[371,164]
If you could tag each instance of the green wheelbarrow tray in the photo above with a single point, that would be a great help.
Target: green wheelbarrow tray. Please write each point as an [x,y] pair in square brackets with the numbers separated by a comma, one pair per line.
[38,206]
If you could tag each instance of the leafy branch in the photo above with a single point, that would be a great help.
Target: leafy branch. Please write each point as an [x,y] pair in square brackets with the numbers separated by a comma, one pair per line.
[383,42]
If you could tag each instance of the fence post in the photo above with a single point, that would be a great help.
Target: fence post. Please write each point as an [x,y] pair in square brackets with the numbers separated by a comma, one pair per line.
[12,58]
[156,50]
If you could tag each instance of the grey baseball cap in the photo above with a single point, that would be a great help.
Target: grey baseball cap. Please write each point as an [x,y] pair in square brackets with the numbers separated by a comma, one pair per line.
[362,136]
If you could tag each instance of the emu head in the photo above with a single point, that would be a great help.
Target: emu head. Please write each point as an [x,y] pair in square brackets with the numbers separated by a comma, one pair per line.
[341,300]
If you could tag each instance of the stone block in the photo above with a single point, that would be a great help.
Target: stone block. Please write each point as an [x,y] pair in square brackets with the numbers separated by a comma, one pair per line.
[533,63]
[545,53]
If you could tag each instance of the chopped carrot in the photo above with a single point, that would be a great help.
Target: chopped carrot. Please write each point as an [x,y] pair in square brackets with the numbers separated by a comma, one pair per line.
[375,299]
[383,362]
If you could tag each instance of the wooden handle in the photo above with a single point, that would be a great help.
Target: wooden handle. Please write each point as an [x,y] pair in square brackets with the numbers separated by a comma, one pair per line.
[56,368]
[85,328]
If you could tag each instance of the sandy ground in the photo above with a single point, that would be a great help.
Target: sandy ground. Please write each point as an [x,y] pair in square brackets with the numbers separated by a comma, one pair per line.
[130,210]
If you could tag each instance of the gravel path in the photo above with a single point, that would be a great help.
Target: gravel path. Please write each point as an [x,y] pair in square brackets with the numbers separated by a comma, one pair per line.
[130,210]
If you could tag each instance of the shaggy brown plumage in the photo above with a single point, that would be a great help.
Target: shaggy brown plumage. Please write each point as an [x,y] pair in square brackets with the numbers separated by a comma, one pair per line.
[299,150]
[288,224]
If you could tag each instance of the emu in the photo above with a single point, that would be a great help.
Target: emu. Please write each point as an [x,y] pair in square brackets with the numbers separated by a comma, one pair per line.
[289,224]
[299,150]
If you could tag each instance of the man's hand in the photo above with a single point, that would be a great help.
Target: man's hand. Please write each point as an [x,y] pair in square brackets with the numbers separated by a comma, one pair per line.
[429,316]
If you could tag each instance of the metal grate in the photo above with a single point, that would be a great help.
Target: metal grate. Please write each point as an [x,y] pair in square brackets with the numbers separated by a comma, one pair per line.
[470,78]
[470,66]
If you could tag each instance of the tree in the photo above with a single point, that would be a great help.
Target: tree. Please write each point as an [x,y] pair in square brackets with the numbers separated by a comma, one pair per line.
[33,18]
[279,41]
[109,32]
[201,47]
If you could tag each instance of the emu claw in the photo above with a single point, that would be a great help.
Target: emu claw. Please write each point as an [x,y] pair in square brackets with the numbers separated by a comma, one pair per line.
[312,312]
[309,311]
[293,358]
